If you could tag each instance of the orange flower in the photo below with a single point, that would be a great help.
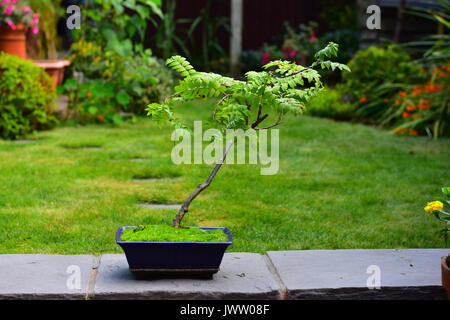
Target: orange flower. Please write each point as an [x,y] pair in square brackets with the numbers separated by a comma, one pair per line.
[417,91]
[413,132]
[410,108]
[400,130]
[363,100]
[435,70]
[88,95]
[386,100]
[402,94]
[424,105]
[422,70]
[397,101]
[101,118]
[405,114]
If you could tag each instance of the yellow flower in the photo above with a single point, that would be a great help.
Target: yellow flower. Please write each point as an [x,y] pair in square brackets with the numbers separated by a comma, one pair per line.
[434,206]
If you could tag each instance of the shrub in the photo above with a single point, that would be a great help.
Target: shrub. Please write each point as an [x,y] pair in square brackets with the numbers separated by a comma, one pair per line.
[423,108]
[26,98]
[113,83]
[374,70]
[153,87]
[329,104]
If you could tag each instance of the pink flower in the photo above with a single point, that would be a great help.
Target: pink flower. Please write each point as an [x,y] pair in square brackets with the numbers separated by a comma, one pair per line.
[12,25]
[26,9]
[292,53]
[266,58]
[35,29]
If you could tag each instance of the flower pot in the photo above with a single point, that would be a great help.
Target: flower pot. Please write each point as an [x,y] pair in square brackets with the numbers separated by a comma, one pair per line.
[174,258]
[13,41]
[446,274]
[54,68]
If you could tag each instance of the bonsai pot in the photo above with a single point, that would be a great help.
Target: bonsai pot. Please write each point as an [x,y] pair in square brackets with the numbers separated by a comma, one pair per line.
[446,274]
[13,41]
[54,68]
[199,259]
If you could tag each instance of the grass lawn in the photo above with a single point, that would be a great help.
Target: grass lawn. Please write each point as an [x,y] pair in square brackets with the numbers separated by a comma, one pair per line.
[340,185]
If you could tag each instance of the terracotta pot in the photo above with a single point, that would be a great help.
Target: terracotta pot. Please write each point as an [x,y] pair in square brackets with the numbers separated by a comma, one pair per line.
[13,41]
[446,274]
[54,68]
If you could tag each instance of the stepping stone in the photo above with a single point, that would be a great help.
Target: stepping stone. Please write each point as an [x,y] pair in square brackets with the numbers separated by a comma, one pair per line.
[36,276]
[131,159]
[91,148]
[160,206]
[241,276]
[24,141]
[344,274]
[155,179]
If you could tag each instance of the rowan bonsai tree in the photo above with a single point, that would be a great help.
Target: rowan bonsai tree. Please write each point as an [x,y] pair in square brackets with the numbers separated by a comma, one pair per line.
[283,87]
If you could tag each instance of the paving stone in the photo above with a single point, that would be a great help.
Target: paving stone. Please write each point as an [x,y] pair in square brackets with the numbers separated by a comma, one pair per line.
[343,274]
[44,276]
[242,276]
[30,141]
[160,206]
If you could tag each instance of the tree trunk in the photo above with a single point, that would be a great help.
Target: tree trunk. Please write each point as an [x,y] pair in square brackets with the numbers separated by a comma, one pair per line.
[185,207]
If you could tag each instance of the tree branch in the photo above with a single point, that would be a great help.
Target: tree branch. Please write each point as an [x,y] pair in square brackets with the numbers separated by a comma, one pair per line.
[295,73]
[185,207]
[218,104]
[274,125]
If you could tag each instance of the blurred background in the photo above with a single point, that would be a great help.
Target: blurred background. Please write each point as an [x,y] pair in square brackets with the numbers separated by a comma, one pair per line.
[79,156]
[115,51]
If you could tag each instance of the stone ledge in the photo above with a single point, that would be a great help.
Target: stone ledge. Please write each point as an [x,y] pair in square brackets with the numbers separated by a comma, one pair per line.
[43,276]
[242,276]
[314,274]
[343,274]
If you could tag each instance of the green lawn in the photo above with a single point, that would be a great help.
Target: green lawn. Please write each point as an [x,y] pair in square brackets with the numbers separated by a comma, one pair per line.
[340,185]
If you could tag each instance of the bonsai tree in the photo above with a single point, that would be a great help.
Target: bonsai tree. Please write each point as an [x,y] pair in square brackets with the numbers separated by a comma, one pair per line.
[283,87]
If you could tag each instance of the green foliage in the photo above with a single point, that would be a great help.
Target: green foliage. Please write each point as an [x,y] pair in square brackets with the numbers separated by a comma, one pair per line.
[154,86]
[129,83]
[425,107]
[375,66]
[170,38]
[329,104]
[26,98]
[284,87]
[375,73]
[113,29]
[164,233]
[299,45]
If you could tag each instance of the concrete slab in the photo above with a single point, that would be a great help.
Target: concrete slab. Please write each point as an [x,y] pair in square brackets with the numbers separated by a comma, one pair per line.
[344,274]
[44,276]
[242,276]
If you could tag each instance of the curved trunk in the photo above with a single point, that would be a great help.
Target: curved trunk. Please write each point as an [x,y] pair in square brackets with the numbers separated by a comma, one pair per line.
[185,207]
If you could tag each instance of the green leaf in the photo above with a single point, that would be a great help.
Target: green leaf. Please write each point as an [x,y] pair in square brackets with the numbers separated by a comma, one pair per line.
[117,119]
[330,50]
[70,84]
[123,98]
[92,110]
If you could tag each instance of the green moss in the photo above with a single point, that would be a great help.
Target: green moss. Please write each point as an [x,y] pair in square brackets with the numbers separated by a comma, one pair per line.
[164,233]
